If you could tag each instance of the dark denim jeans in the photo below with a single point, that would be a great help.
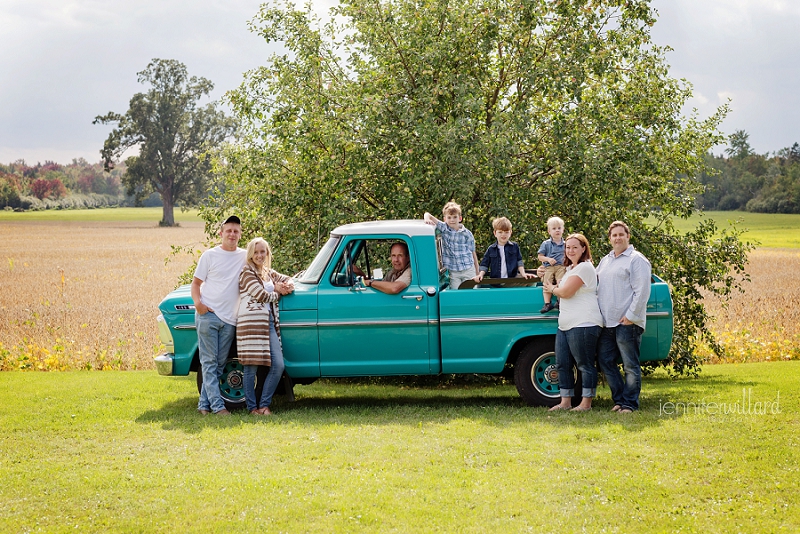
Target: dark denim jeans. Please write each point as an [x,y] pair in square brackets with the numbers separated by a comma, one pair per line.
[622,342]
[214,340]
[273,377]
[578,344]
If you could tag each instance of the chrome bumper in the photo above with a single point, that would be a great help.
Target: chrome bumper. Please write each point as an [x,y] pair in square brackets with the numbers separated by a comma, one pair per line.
[164,363]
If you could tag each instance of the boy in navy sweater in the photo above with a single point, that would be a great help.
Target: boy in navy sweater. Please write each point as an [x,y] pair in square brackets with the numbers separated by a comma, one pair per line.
[502,259]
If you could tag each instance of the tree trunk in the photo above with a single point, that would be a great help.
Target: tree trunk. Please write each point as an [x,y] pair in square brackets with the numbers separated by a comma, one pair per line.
[168,217]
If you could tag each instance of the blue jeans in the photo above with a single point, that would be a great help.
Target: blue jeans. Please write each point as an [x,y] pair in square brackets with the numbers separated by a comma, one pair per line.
[273,377]
[622,342]
[579,345]
[214,340]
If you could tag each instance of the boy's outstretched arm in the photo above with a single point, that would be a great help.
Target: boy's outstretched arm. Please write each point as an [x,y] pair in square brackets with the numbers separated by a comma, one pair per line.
[430,219]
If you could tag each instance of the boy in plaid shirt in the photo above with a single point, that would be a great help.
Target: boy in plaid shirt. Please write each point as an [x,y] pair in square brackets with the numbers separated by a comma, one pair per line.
[458,245]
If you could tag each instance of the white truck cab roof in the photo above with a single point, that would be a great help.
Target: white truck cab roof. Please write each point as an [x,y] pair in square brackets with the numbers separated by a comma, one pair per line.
[410,227]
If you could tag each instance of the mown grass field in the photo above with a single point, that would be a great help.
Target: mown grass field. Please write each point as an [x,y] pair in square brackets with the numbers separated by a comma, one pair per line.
[138,215]
[127,452]
[769,230]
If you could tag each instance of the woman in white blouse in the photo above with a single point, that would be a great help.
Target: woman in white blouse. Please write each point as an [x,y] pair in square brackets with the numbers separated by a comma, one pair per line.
[579,324]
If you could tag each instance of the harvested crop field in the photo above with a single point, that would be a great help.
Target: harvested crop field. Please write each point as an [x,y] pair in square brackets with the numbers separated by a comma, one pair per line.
[763,323]
[84,295]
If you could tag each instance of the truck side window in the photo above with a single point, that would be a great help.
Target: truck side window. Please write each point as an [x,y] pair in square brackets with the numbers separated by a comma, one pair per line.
[343,275]
[368,256]
[442,278]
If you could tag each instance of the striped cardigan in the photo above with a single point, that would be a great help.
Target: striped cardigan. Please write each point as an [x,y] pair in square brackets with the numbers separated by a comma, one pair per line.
[252,326]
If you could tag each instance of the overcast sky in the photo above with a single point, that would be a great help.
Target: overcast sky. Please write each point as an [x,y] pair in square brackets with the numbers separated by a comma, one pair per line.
[63,62]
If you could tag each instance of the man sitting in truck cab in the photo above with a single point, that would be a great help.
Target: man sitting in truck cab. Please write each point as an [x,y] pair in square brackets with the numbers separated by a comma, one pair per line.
[399,276]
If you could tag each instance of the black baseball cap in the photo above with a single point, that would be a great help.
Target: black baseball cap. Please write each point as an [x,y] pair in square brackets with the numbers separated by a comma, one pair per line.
[233,219]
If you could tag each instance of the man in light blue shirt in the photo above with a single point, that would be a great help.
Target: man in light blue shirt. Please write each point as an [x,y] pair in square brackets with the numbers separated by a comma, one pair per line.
[622,292]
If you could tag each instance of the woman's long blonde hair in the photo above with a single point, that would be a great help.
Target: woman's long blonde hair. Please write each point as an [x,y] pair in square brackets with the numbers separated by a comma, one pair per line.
[251,250]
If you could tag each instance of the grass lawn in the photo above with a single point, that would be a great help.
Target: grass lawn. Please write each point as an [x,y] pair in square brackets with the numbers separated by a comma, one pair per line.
[126,452]
[772,230]
[100,214]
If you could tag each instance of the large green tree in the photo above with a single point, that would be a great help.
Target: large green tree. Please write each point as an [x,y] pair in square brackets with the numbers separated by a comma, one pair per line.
[524,109]
[174,136]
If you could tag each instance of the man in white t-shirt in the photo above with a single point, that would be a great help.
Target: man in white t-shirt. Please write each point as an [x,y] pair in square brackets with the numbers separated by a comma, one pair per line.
[215,292]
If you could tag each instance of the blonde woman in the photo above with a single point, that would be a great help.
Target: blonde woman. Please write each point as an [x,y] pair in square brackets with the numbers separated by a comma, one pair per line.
[258,329]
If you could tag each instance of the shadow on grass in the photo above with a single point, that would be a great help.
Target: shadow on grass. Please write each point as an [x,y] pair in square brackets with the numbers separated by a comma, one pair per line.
[362,402]
[665,389]
[403,408]
[410,408]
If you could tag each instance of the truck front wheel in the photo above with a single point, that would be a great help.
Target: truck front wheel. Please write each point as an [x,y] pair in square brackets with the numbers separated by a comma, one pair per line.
[536,374]
[231,383]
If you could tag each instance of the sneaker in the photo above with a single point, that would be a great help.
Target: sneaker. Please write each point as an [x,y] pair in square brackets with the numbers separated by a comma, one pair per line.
[546,308]
[555,307]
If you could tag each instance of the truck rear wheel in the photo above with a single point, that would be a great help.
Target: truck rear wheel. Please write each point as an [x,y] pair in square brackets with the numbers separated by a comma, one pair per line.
[536,374]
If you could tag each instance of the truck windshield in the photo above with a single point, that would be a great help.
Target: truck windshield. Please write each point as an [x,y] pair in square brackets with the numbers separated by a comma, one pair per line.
[314,271]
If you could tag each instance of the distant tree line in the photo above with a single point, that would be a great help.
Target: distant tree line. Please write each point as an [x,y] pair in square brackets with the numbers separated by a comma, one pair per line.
[77,185]
[51,185]
[744,180]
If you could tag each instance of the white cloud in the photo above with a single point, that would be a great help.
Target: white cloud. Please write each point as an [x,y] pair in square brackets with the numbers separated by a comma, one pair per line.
[723,97]
[697,100]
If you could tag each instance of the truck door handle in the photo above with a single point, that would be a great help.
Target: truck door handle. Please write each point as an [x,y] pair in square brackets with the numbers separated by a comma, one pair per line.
[417,297]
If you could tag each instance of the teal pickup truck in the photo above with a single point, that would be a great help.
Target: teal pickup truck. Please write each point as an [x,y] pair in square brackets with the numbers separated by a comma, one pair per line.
[333,326]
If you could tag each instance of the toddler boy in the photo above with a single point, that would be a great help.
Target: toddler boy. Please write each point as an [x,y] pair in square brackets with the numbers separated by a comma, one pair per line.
[458,244]
[551,254]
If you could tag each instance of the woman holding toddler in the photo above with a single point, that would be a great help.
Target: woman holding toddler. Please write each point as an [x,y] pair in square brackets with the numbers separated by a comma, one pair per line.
[579,323]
